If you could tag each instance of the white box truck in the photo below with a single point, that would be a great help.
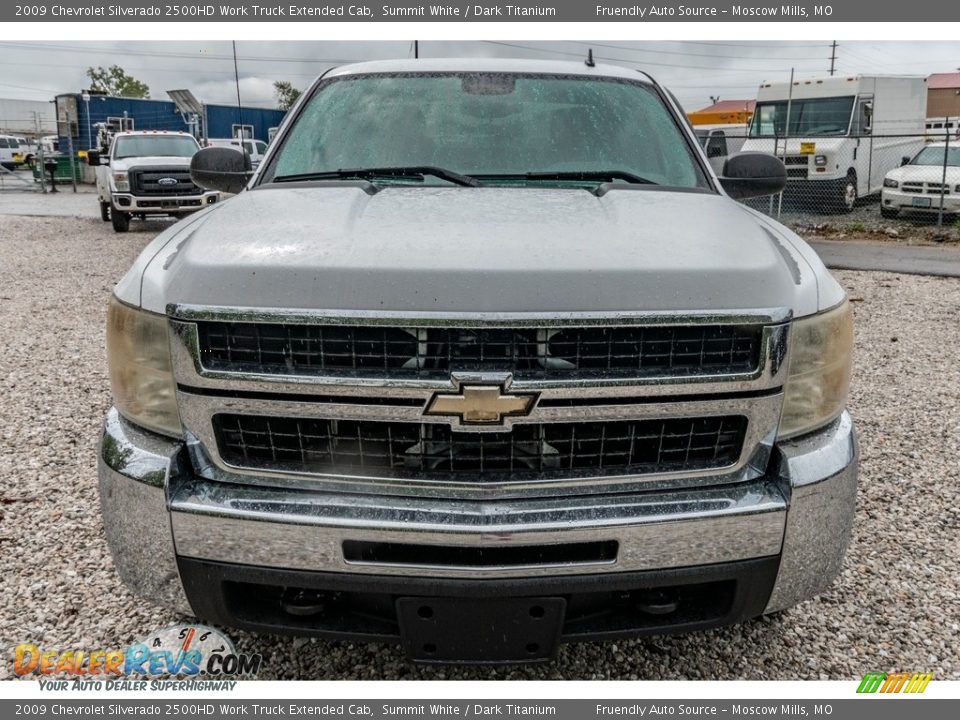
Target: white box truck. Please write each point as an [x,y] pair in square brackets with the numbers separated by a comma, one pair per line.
[839,136]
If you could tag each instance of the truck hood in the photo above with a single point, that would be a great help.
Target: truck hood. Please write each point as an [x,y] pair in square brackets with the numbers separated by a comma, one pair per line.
[478,250]
[926,173]
[150,161]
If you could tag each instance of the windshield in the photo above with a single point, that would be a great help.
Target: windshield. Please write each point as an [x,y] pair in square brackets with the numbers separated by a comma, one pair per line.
[935,156]
[808,118]
[493,125]
[154,145]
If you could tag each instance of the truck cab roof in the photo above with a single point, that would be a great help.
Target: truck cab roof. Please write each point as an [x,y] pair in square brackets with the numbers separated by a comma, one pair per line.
[490,65]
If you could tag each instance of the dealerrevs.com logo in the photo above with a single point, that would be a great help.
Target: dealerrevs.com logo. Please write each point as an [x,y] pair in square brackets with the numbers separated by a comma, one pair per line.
[903,682]
[179,650]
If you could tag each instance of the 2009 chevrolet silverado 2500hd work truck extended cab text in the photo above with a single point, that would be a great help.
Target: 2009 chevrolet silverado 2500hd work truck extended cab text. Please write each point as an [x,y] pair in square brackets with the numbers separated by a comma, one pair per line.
[483,358]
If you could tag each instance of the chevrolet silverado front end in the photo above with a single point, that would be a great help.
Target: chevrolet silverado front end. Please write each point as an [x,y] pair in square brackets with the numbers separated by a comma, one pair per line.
[509,372]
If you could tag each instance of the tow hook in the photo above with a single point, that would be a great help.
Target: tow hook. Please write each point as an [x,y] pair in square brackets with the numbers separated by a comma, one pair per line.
[657,602]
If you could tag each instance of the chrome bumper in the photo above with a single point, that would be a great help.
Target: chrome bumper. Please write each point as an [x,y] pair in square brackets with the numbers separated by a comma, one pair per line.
[155,509]
[127,202]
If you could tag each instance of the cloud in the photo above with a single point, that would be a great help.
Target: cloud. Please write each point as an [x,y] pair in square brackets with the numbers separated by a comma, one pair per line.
[694,71]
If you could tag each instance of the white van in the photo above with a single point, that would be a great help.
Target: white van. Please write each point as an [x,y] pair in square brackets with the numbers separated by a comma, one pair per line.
[9,146]
[256,149]
[720,142]
[844,134]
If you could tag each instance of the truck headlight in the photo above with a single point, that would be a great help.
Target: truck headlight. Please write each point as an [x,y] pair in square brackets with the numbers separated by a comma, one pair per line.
[141,373]
[820,160]
[121,181]
[821,350]
[890,183]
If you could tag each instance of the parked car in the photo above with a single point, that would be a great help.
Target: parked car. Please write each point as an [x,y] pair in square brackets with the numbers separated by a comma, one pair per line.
[256,149]
[147,172]
[472,365]
[923,185]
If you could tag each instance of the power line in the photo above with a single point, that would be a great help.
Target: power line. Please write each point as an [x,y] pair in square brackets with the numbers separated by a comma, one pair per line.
[637,62]
[748,44]
[180,71]
[143,53]
[658,51]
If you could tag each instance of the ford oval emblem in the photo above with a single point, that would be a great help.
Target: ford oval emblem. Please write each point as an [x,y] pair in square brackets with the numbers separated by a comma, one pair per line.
[167,181]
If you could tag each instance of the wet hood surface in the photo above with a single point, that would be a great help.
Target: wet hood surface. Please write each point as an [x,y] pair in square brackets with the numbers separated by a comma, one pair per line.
[478,250]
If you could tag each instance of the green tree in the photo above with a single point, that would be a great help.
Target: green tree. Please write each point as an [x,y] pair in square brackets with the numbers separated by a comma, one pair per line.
[115,81]
[285,93]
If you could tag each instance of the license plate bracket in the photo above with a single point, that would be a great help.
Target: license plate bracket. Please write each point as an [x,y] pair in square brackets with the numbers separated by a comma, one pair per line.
[921,202]
[485,630]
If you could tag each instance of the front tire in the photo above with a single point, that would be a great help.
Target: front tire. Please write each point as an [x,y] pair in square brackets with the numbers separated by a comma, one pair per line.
[121,220]
[888,213]
[105,211]
[847,193]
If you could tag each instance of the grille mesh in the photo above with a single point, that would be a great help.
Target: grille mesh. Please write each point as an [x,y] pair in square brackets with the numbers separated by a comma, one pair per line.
[634,351]
[635,446]
[147,182]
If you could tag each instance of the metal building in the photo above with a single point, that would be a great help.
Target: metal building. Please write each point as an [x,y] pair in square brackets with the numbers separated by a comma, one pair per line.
[77,116]
[30,118]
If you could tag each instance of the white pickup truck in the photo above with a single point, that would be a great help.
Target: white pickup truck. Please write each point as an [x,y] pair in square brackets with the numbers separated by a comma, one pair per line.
[147,173]
[484,358]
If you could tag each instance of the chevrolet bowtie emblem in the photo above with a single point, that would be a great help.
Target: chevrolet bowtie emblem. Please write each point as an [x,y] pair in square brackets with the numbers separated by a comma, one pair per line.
[481,404]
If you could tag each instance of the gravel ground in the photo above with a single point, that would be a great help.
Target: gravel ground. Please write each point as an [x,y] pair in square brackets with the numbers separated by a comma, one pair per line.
[896,606]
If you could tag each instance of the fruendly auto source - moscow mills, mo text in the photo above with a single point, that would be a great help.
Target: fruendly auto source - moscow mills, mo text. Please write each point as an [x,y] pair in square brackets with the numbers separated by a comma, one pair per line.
[395,11]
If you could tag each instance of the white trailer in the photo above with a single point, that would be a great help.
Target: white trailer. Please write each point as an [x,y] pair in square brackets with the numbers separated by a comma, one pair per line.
[840,136]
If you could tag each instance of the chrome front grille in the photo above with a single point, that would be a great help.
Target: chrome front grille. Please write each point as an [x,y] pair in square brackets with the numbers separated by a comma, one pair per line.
[432,450]
[294,349]
[163,182]
[349,402]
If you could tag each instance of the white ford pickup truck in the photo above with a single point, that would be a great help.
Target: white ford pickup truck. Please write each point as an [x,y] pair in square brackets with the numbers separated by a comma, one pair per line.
[147,172]
[482,359]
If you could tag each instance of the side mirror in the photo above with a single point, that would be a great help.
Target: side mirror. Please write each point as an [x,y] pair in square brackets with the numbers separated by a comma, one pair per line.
[753,174]
[225,169]
[905,160]
[93,158]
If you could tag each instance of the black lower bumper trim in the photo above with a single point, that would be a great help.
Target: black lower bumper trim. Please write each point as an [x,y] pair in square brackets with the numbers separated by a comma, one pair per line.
[364,607]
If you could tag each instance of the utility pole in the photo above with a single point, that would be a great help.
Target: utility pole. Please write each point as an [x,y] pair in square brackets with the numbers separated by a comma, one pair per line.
[833,57]
[236,77]
[416,49]
[38,158]
[73,168]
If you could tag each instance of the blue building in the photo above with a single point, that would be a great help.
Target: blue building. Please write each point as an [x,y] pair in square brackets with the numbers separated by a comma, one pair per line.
[77,118]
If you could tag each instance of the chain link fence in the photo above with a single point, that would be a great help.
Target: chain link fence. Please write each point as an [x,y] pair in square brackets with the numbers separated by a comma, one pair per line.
[869,181]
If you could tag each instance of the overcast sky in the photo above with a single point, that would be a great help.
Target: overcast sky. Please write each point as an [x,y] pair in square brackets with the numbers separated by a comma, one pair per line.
[695,71]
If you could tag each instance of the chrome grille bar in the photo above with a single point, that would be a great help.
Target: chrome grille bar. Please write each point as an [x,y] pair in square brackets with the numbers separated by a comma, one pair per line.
[297,349]
[431,450]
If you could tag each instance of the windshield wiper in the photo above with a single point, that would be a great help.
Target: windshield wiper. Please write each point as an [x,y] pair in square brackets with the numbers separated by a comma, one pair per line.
[589,175]
[413,171]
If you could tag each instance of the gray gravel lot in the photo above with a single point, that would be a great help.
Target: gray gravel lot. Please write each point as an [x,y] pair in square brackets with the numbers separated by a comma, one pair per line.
[896,606]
